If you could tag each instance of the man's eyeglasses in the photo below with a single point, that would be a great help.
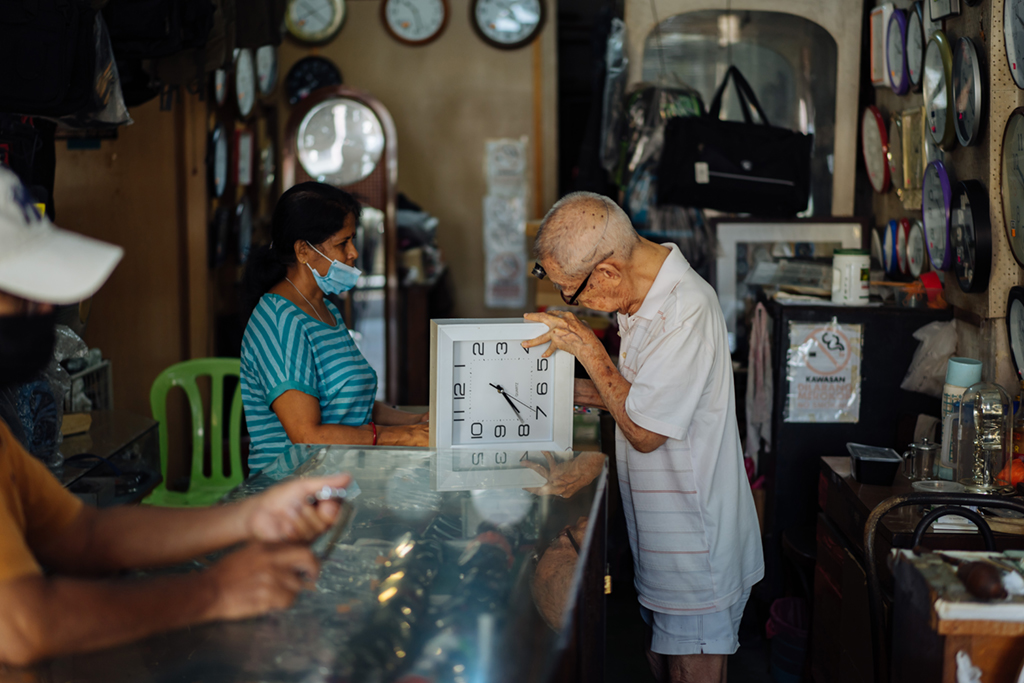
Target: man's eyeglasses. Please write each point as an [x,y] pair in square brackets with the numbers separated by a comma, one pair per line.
[539,273]
[567,532]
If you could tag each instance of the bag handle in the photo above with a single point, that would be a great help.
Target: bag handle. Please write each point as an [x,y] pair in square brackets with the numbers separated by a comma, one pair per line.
[746,94]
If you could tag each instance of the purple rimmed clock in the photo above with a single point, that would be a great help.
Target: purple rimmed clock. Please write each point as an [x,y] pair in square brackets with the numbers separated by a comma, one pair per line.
[936,200]
[896,52]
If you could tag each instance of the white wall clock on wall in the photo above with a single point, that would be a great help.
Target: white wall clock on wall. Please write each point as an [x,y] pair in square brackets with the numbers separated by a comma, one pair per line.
[488,392]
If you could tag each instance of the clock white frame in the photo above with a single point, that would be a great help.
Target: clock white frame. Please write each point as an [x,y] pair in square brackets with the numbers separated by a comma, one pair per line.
[444,332]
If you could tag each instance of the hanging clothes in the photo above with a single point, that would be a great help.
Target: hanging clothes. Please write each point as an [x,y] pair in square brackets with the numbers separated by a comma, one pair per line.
[759,385]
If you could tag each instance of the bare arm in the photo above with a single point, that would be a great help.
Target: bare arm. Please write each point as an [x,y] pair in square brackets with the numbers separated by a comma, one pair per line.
[299,413]
[566,332]
[383,414]
[43,617]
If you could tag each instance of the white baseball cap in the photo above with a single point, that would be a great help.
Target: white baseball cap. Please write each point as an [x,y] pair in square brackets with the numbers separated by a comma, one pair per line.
[41,262]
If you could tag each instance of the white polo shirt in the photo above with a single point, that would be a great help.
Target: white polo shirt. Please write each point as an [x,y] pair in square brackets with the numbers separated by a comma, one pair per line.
[692,525]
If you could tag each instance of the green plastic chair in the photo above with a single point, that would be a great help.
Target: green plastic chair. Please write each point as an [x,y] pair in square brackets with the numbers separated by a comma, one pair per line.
[203,489]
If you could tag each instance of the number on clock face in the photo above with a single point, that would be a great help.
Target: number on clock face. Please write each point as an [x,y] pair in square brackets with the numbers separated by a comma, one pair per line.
[501,393]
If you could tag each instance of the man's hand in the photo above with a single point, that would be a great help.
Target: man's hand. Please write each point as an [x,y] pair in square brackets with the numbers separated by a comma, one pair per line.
[564,479]
[568,333]
[260,578]
[282,514]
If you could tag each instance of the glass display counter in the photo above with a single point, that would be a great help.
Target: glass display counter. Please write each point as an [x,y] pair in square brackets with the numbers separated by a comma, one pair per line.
[457,567]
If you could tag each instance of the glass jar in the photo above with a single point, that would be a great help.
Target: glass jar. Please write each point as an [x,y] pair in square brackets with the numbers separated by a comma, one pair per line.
[984,439]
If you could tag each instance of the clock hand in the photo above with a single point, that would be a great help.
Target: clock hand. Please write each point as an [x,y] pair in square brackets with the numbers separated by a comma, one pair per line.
[513,397]
[509,399]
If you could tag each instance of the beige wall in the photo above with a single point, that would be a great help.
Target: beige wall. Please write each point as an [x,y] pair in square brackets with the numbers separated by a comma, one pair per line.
[447,98]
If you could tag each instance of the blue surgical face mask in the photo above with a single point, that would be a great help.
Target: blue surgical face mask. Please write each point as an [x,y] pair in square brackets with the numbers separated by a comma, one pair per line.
[340,277]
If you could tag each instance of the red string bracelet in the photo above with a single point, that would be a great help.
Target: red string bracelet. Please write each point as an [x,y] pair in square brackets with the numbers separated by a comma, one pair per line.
[374,426]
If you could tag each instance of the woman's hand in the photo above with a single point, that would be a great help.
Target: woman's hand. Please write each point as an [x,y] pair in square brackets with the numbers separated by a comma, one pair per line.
[566,332]
[404,435]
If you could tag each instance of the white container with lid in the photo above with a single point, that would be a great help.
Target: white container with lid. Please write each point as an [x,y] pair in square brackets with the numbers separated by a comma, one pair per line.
[851,273]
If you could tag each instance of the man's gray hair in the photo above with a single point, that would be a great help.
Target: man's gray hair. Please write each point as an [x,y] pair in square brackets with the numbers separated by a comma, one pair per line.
[581,230]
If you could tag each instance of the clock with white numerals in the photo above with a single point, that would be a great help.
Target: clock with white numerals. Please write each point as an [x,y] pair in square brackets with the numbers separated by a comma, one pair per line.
[488,392]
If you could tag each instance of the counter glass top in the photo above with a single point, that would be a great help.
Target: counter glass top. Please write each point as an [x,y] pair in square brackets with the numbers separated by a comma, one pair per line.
[455,568]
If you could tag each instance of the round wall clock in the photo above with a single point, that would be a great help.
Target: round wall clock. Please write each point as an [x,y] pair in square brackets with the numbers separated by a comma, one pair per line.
[314,21]
[266,69]
[489,391]
[220,86]
[876,248]
[875,148]
[1013,182]
[971,236]
[507,24]
[938,91]
[1013,39]
[936,199]
[339,141]
[902,233]
[1015,328]
[966,92]
[915,45]
[895,155]
[896,52]
[917,257]
[890,260]
[217,160]
[414,22]
[245,81]
[309,74]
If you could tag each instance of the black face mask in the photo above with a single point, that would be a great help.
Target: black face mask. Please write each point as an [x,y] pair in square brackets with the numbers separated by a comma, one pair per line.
[26,346]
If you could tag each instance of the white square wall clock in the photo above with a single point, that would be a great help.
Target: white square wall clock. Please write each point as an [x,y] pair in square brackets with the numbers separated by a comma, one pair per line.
[487,391]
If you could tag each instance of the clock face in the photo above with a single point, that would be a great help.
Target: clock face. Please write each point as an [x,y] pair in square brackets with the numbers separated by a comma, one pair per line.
[220,86]
[245,81]
[1013,39]
[889,260]
[501,394]
[971,236]
[508,23]
[266,68]
[218,160]
[1013,182]
[935,207]
[1015,327]
[915,46]
[961,229]
[966,91]
[314,21]
[309,74]
[916,253]
[894,154]
[896,52]
[936,91]
[340,141]
[874,146]
[876,248]
[415,22]
[902,229]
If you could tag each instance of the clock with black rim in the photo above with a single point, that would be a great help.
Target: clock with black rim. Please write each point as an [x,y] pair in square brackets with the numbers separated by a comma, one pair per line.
[915,45]
[967,93]
[217,160]
[414,22]
[936,200]
[970,236]
[507,24]
[309,74]
[1015,328]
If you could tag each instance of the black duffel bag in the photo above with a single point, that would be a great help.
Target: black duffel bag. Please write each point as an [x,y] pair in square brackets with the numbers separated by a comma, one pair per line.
[738,167]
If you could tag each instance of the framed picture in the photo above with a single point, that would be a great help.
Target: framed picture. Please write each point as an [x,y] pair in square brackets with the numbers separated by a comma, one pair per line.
[743,242]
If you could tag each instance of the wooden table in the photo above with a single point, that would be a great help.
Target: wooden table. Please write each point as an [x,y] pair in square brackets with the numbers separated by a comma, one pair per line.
[840,647]
[934,619]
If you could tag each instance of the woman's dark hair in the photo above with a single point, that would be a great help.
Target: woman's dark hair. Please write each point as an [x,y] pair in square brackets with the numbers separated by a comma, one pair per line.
[310,212]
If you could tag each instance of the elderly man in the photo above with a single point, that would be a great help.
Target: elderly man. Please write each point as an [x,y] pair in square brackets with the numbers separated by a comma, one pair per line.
[690,514]
[67,609]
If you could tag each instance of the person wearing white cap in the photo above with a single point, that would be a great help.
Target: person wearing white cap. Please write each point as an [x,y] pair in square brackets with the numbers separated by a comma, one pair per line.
[43,525]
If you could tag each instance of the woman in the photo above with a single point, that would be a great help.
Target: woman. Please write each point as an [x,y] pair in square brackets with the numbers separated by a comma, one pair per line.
[303,379]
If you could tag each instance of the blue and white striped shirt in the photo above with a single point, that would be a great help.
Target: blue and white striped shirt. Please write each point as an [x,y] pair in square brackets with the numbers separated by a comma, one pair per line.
[283,349]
